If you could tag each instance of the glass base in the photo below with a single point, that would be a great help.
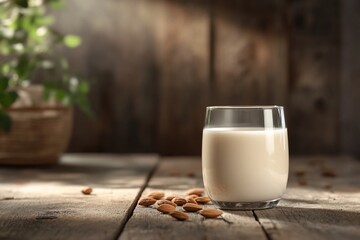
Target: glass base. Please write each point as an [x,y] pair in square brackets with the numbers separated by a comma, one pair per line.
[247,205]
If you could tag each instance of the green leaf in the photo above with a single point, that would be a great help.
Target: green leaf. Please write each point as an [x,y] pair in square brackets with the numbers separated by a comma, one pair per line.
[56,4]
[5,121]
[44,21]
[46,94]
[22,3]
[83,87]
[4,83]
[51,85]
[5,68]
[7,98]
[72,41]
[66,100]
[23,67]
[60,94]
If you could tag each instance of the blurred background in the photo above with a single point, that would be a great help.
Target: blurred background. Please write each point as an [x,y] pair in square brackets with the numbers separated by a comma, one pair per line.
[154,65]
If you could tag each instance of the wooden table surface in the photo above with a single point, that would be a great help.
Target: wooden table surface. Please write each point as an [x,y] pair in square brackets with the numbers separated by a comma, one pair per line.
[322,201]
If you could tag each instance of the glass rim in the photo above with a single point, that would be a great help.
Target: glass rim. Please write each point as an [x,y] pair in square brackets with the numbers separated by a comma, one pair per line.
[245,107]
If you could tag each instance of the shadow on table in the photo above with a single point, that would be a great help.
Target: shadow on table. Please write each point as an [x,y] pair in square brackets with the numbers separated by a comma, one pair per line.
[313,215]
[126,176]
[324,223]
[58,220]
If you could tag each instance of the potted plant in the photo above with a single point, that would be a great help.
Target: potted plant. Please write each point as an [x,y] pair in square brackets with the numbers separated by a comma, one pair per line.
[37,88]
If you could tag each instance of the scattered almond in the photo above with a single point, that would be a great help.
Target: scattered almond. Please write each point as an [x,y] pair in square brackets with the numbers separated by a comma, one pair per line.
[175,174]
[179,215]
[170,197]
[161,202]
[166,208]
[302,182]
[328,172]
[191,200]
[87,190]
[191,207]
[195,191]
[179,201]
[210,213]
[147,201]
[202,200]
[300,173]
[156,195]
[193,196]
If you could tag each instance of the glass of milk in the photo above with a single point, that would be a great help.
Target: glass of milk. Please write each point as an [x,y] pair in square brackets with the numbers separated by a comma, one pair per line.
[245,158]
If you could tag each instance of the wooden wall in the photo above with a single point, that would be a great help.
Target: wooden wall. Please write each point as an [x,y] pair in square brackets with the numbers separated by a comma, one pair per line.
[156,64]
[350,77]
[314,75]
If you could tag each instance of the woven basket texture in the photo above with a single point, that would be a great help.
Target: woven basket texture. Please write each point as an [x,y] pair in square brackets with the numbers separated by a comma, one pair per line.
[38,136]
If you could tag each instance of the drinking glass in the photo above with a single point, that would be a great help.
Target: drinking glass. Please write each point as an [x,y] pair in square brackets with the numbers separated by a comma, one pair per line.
[245,158]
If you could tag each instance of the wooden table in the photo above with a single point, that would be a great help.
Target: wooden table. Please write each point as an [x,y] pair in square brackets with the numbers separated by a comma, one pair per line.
[322,201]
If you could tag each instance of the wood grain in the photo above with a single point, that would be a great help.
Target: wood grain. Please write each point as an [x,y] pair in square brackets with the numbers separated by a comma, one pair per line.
[174,176]
[325,208]
[155,65]
[314,65]
[183,75]
[350,84]
[250,54]
[118,57]
[47,203]
[321,202]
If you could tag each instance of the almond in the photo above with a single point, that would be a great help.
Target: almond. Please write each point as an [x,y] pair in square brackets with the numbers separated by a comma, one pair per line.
[300,173]
[328,172]
[179,215]
[191,207]
[195,191]
[170,197]
[191,200]
[156,195]
[192,196]
[86,190]
[161,202]
[147,201]
[179,201]
[210,213]
[175,174]
[166,208]
[302,182]
[202,200]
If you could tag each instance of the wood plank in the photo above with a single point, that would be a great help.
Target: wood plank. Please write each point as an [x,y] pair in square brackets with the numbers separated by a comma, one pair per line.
[183,48]
[324,208]
[250,55]
[314,65]
[47,203]
[243,48]
[137,110]
[350,72]
[118,57]
[175,176]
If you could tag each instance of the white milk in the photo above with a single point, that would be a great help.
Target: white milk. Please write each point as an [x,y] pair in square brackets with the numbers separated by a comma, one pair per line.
[245,164]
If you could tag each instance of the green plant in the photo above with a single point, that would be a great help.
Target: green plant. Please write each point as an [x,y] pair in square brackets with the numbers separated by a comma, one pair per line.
[27,43]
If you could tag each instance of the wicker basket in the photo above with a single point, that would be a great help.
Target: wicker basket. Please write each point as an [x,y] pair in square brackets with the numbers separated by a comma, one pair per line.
[38,136]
